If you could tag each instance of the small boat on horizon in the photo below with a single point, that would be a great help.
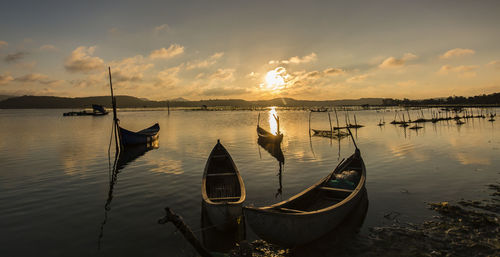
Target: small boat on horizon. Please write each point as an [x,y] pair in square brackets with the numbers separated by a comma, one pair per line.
[97,110]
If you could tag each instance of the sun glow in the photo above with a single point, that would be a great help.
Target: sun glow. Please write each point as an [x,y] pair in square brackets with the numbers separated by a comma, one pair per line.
[276,79]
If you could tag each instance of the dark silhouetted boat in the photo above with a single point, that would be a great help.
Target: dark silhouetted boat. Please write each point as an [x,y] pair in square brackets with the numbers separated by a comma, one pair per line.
[222,188]
[268,137]
[143,137]
[313,212]
[129,138]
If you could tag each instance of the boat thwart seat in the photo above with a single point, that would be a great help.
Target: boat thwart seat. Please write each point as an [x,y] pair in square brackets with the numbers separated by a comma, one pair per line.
[224,198]
[221,174]
[336,189]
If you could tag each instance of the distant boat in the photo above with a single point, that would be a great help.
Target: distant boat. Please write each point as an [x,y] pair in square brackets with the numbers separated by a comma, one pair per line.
[320,110]
[128,138]
[97,110]
[313,212]
[222,188]
[328,133]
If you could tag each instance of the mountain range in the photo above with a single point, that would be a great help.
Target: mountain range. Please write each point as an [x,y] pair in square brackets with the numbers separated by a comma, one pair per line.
[31,102]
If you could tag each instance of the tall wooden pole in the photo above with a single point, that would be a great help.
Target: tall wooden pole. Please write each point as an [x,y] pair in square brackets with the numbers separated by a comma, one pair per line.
[115,119]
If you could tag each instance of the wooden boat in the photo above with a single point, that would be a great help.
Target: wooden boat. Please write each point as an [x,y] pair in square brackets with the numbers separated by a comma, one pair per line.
[129,138]
[267,136]
[328,133]
[144,137]
[222,189]
[311,213]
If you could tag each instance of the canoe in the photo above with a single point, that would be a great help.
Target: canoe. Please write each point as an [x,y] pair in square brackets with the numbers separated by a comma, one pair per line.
[328,133]
[144,137]
[311,213]
[267,136]
[222,189]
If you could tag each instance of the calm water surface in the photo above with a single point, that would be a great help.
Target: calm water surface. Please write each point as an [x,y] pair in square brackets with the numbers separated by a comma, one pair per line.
[54,174]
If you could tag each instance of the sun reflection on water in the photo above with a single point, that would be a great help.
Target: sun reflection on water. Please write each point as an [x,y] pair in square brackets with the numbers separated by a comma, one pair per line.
[273,124]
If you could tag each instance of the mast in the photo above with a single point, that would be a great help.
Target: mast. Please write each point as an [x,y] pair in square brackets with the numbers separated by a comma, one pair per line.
[115,118]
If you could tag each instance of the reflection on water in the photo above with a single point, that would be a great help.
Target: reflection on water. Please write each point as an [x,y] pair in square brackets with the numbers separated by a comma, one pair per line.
[122,158]
[221,241]
[274,149]
[56,173]
[340,240]
[273,121]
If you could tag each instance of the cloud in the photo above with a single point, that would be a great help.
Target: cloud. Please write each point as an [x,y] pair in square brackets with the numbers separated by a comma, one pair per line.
[5,78]
[205,63]
[223,75]
[253,75]
[15,56]
[357,79]
[161,28]
[48,48]
[81,60]
[462,70]
[163,53]
[130,69]
[3,43]
[296,60]
[494,64]
[37,78]
[168,77]
[333,71]
[393,62]
[457,52]
[224,91]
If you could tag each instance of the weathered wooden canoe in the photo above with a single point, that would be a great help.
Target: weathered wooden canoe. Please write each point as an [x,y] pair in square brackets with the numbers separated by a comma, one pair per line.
[143,137]
[267,136]
[311,213]
[222,189]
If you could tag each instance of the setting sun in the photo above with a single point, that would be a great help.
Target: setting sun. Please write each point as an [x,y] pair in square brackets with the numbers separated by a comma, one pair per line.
[275,79]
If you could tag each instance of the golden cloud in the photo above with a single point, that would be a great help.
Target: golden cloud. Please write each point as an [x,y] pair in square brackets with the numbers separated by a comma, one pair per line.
[296,60]
[81,60]
[457,52]
[163,53]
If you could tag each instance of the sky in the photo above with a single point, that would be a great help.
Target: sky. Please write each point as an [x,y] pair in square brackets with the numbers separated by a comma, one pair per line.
[311,50]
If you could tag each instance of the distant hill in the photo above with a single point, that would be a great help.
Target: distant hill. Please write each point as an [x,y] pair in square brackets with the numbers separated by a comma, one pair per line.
[3,97]
[27,102]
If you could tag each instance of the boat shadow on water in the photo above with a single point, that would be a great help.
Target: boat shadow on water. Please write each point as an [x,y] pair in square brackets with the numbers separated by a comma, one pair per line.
[276,152]
[217,240]
[342,239]
[124,157]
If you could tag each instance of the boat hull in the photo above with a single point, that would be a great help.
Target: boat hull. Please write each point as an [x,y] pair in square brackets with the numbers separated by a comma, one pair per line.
[310,214]
[143,137]
[290,230]
[224,216]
